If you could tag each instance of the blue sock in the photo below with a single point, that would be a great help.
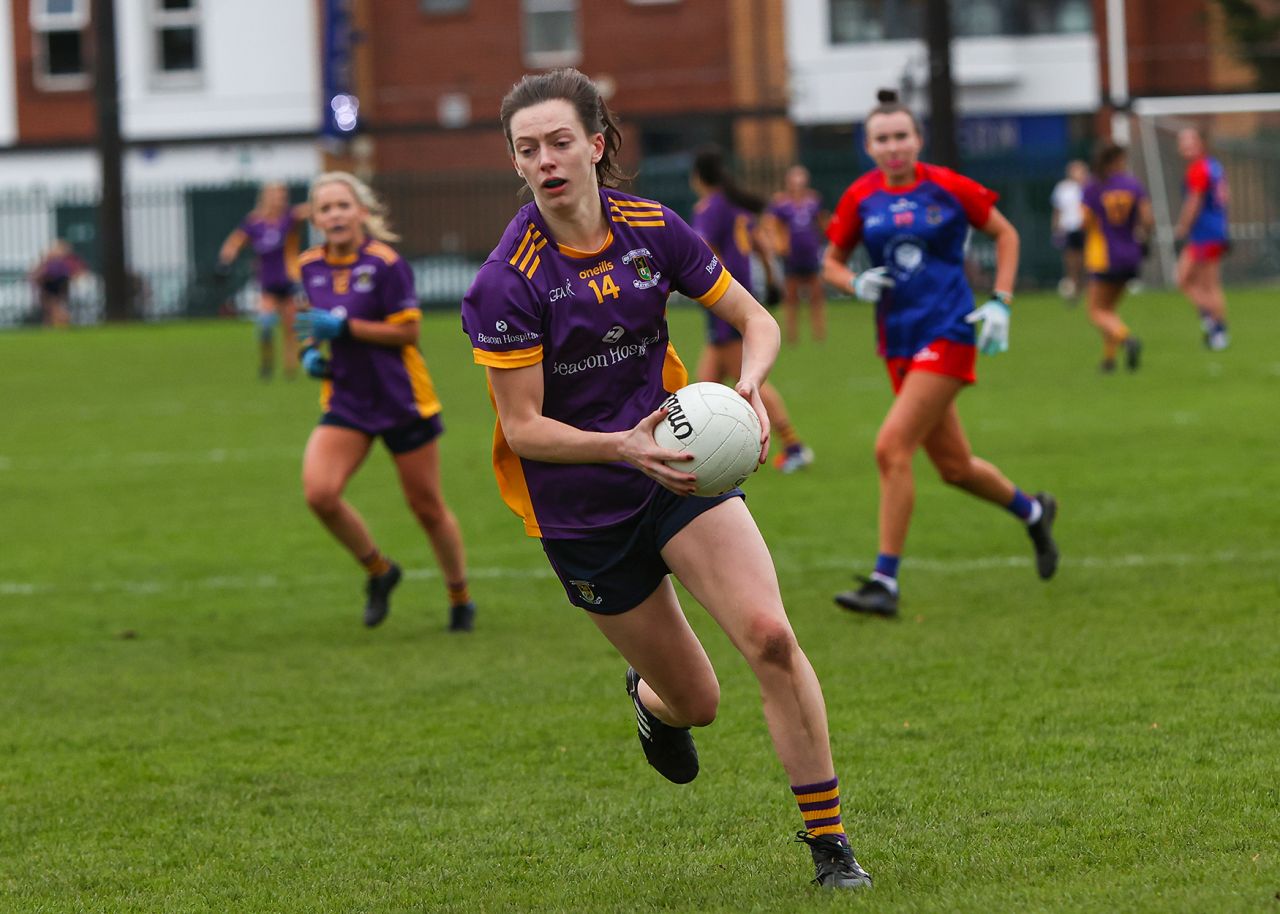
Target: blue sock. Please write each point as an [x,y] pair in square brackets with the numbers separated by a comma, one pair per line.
[887,565]
[1022,505]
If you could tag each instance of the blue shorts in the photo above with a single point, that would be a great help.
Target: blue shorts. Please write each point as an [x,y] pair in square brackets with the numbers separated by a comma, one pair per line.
[399,440]
[619,567]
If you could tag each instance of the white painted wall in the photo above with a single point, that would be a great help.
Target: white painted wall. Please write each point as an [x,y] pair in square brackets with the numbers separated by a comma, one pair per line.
[260,71]
[837,83]
[8,91]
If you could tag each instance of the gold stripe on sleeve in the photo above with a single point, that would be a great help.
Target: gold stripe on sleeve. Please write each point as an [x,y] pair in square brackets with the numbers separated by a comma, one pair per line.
[405,316]
[716,292]
[515,358]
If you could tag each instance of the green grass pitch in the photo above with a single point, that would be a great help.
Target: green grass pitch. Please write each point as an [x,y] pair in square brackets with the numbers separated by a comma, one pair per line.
[195,720]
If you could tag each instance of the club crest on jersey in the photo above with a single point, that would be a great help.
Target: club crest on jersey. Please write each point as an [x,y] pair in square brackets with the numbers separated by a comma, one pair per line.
[363,281]
[643,265]
[933,215]
[587,591]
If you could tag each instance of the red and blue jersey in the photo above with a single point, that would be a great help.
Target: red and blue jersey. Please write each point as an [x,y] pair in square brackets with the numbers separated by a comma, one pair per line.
[596,323]
[1205,175]
[917,231]
[275,244]
[374,388]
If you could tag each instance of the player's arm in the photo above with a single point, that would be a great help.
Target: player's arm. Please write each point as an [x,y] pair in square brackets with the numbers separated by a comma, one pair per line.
[231,247]
[517,395]
[1146,218]
[761,340]
[835,268]
[1190,210]
[1008,246]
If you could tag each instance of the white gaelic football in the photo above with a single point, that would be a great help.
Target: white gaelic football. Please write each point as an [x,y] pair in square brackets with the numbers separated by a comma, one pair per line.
[719,428]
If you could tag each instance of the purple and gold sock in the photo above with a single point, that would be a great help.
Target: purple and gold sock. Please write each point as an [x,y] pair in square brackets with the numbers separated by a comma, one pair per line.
[820,805]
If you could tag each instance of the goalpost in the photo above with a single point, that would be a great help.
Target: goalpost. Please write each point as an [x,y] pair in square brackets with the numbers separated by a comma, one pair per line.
[1243,132]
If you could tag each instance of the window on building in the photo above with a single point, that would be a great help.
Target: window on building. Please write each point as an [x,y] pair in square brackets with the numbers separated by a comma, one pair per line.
[887,20]
[61,43]
[551,37]
[176,41]
[442,7]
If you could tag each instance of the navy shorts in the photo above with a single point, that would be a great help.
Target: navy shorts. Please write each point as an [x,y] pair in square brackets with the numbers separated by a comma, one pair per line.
[280,289]
[1075,240]
[399,440]
[617,568]
[1115,277]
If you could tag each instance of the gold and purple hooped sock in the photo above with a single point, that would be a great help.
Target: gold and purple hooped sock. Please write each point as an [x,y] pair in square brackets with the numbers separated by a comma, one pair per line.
[459,593]
[820,806]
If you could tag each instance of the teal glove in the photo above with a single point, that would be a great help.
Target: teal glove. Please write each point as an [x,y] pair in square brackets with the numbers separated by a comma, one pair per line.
[321,325]
[315,364]
[993,336]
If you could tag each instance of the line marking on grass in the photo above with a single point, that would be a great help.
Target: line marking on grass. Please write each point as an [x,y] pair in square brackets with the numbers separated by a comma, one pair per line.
[154,586]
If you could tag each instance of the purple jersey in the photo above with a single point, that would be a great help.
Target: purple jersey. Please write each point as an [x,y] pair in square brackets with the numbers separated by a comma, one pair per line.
[804,241]
[275,244]
[918,231]
[726,228]
[1111,223]
[596,322]
[374,388]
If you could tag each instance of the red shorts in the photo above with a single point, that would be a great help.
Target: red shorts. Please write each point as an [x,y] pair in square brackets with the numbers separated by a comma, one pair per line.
[944,357]
[1207,250]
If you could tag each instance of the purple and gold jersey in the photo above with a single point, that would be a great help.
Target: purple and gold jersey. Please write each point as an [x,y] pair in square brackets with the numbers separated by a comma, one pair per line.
[596,323]
[802,249]
[1111,223]
[374,388]
[726,228]
[1206,176]
[918,231]
[275,244]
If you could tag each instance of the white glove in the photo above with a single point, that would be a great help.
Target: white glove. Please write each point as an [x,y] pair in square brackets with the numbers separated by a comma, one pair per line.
[870,284]
[993,337]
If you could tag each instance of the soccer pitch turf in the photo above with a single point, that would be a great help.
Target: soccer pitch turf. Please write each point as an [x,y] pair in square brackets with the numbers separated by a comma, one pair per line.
[195,720]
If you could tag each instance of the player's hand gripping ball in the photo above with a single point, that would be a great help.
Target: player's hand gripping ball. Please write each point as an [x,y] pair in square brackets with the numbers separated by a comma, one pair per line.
[716,425]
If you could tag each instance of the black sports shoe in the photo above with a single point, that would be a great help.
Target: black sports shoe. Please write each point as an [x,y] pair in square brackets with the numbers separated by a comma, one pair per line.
[379,590]
[833,863]
[669,749]
[462,617]
[1132,353]
[1041,533]
[872,597]
[1107,366]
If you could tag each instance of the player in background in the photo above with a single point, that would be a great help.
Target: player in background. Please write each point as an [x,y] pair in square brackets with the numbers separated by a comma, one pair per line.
[1202,230]
[1068,227]
[913,219]
[796,218]
[363,306]
[568,317]
[727,218]
[1118,223]
[52,277]
[273,231]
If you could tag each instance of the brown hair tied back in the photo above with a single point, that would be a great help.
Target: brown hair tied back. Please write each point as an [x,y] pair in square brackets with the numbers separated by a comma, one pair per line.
[1107,157]
[888,103]
[574,87]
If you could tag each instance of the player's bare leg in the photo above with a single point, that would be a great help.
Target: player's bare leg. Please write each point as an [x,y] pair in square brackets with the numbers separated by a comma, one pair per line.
[817,308]
[791,308]
[1104,298]
[419,472]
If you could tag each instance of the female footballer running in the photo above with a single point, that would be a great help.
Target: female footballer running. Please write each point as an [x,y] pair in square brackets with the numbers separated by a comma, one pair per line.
[913,219]
[568,316]
[376,385]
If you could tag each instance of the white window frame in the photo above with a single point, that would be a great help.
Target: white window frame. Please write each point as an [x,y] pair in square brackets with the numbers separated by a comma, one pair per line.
[565,58]
[42,23]
[160,19]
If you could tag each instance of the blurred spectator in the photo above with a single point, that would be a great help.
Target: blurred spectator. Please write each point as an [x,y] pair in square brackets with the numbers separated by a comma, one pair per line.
[52,277]
[1068,227]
